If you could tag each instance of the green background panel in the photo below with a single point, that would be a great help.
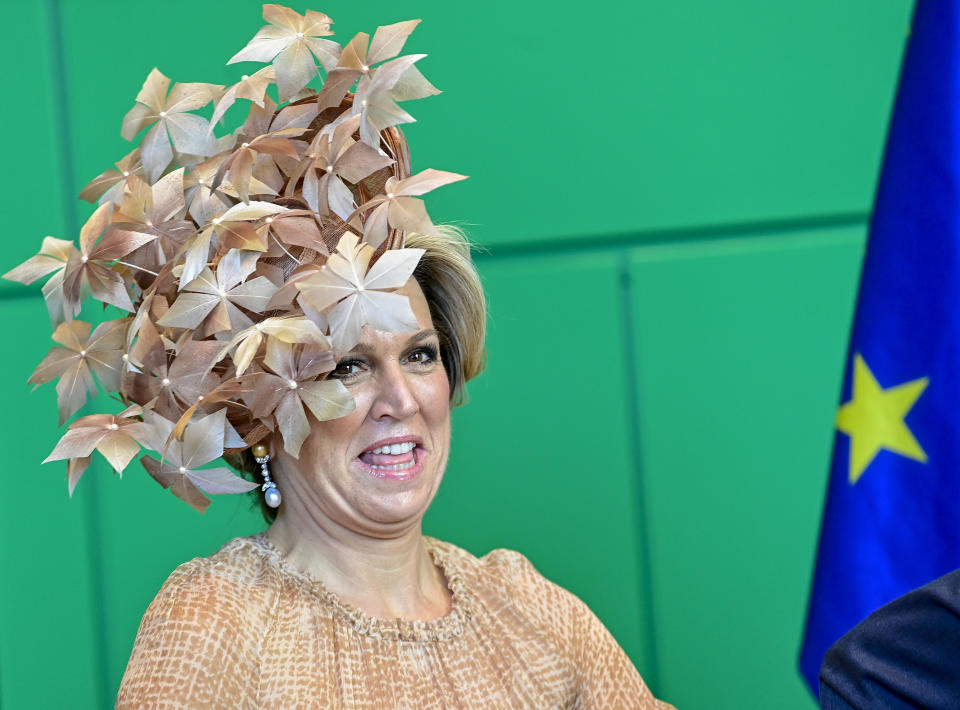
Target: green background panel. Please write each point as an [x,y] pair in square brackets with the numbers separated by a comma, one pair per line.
[48,606]
[47,584]
[740,349]
[33,168]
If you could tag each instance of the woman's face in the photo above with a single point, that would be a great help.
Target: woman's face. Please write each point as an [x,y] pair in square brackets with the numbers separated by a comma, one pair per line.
[376,470]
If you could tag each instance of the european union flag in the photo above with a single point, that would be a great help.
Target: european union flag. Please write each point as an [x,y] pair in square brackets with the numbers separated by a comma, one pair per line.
[892,515]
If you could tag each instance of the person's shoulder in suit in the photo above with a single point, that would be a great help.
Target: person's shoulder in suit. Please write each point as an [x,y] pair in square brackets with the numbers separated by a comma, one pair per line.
[904,655]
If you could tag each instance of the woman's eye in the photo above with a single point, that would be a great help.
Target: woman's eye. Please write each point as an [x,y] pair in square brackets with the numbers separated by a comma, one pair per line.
[423,355]
[345,369]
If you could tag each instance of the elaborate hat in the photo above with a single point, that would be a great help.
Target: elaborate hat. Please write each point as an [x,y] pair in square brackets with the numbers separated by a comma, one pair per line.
[231,267]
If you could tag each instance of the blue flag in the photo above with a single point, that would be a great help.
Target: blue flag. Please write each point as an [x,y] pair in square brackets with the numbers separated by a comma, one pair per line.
[892,516]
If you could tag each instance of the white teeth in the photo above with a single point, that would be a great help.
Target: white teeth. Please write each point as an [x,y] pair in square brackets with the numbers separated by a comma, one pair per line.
[395,467]
[395,449]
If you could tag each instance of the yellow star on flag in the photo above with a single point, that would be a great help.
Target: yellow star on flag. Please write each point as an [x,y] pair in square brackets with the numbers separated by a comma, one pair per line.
[874,419]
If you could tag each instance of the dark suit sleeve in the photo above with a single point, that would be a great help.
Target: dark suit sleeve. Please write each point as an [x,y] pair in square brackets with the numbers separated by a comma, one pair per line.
[904,655]
[829,700]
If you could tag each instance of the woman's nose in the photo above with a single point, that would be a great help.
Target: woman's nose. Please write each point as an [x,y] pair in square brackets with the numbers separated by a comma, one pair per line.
[395,396]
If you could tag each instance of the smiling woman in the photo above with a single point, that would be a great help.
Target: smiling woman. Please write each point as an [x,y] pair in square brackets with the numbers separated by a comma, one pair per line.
[343,602]
[290,305]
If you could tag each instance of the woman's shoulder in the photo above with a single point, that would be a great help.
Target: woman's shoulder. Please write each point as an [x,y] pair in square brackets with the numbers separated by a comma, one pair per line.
[499,566]
[525,604]
[509,576]
[243,560]
[231,581]
[208,615]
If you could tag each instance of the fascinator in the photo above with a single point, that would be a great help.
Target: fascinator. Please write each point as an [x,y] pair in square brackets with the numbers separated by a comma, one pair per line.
[231,267]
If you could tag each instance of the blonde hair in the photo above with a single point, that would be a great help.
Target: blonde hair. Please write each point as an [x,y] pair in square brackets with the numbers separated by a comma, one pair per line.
[458,307]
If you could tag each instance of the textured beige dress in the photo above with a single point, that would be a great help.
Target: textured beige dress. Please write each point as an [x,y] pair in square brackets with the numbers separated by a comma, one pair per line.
[245,629]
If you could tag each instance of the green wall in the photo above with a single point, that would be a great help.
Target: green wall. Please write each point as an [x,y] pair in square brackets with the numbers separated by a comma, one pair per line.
[673,198]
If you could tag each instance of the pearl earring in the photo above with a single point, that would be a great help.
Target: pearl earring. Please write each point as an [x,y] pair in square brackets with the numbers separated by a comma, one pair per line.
[261,454]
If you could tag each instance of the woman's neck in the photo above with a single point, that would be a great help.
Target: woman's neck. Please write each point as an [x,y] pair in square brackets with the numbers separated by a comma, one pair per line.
[384,577]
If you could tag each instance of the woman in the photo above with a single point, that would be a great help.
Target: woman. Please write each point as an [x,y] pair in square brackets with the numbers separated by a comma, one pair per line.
[344,603]
[295,309]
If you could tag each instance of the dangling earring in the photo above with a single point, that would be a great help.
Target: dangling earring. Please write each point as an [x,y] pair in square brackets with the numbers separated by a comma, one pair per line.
[261,454]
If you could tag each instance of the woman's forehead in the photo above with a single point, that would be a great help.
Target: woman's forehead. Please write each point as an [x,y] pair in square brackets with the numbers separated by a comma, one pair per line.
[381,340]
[418,302]
[373,341]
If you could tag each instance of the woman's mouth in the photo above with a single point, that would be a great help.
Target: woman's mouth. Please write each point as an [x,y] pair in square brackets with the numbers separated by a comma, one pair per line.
[394,460]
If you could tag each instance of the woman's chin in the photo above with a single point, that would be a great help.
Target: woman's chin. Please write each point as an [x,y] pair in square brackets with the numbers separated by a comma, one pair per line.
[401,507]
[386,519]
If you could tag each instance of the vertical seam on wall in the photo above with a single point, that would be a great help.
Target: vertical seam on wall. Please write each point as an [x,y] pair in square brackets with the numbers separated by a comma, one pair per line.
[65,147]
[630,366]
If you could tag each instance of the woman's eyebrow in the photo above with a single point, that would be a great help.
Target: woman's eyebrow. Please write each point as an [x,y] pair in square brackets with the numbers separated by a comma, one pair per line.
[423,335]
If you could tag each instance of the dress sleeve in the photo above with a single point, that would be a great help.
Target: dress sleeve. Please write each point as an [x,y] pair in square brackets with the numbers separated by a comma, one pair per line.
[193,648]
[606,678]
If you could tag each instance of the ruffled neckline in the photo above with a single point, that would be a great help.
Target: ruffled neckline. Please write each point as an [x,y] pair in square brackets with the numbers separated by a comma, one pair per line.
[419,630]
